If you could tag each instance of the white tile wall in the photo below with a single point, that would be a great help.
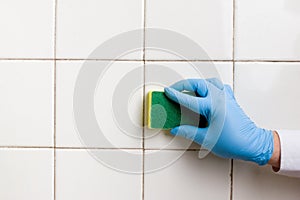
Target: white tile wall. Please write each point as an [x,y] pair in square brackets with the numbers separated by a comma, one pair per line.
[271,88]
[187,178]
[26,104]
[207,22]
[267,30]
[27,29]
[83,26]
[80,176]
[26,174]
[253,182]
[157,79]
[43,45]
[268,92]
[118,135]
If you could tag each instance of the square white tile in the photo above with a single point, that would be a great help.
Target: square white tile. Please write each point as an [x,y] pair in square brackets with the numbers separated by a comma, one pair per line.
[26,174]
[81,176]
[27,29]
[83,25]
[267,30]
[26,104]
[253,182]
[163,74]
[208,23]
[269,93]
[187,177]
[115,100]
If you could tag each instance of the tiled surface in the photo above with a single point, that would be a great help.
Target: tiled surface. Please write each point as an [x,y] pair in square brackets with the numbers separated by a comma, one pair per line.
[26,104]
[118,133]
[82,27]
[80,176]
[271,88]
[26,174]
[42,47]
[253,182]
[268,30]
[258,84]
[190,18]
[163,74]
[187,178]
[27,29]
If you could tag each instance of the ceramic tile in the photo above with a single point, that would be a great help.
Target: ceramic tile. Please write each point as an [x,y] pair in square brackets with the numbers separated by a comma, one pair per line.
[253,182]
[187,177]
[81,176]
[84,26]
[208,23]
[268,30]
[27,32]
[26,117]
[26,174]
[162,74]
[115,104]
[271,88]
[262,89]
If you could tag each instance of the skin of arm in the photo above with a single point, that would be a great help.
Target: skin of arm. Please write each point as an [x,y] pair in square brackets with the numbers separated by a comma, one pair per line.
[275,159]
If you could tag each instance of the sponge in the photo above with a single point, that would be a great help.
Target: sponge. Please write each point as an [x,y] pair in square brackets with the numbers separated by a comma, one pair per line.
[163,113]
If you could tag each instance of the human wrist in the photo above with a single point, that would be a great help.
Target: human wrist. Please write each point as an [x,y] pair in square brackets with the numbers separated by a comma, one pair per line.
[275,159]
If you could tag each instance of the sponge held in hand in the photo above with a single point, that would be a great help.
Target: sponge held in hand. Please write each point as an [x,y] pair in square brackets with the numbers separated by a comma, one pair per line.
[163,113]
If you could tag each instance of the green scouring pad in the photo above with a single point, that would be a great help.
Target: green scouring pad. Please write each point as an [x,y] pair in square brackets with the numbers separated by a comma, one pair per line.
[163,113]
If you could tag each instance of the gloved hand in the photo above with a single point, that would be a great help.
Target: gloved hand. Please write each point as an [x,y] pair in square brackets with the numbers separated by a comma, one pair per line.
[238,137]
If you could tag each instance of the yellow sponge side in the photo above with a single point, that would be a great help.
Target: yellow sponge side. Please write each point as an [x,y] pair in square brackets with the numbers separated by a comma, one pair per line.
[149,109]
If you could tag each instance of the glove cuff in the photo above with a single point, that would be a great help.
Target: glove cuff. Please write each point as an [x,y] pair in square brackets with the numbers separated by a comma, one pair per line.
[266,148]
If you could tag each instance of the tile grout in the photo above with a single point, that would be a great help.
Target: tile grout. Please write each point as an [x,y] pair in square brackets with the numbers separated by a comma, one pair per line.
[144,103]
[94,148]
[55,87]
[268,61]
[233,84]
[26,147]
[149,60]
[231,179]
[199,60]
[233,30]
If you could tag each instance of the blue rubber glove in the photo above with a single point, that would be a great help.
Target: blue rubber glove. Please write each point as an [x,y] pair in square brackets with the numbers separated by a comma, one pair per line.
[237,136]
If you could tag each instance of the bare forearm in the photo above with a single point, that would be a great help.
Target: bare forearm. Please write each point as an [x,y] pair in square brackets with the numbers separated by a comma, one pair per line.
[275,159]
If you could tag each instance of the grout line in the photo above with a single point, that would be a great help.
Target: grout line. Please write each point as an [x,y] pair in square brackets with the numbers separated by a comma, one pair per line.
[231,179]
[233,77]
[267,61]
[54,174]
[98,59]
[203,60]
[233,82]
[97,148]
[144,99]
[55,87]
[94,148]
[233,44]
[158,149]
[24,59]
[70,59]
[72,148]
[26,147]
[233,30]
[139,60]
[144,31]
[55,29]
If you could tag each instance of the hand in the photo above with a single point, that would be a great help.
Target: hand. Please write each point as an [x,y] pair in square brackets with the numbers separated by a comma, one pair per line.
[230,133]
